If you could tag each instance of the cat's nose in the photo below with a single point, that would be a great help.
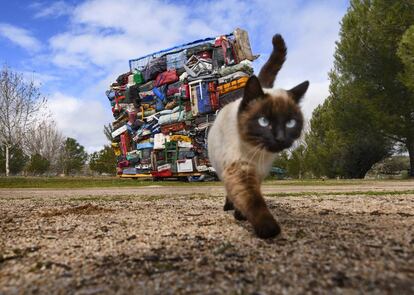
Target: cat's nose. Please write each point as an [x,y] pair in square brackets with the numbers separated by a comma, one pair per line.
[280,135]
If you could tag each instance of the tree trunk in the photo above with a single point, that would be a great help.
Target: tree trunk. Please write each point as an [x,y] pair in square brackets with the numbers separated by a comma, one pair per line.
[410,147]
[7,160]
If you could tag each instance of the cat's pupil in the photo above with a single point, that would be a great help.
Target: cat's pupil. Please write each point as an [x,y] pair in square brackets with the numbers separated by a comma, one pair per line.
[291,123]
[263,122]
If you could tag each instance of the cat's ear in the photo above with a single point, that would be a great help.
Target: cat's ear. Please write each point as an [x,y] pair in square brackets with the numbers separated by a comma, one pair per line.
[298,91]
[252,91]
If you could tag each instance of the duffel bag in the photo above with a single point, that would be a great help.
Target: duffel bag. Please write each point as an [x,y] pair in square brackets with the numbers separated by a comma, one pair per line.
[147,86]
[166,77]
[123,79]
[154,67]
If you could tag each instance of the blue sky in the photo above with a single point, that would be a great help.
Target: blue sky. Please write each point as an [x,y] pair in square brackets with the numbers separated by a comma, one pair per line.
[75,49]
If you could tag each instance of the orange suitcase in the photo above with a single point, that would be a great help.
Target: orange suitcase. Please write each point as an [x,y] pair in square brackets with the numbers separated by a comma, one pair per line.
[233,85]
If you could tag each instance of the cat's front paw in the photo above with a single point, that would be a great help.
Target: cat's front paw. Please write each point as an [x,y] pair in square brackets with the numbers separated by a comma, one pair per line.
[267,227]
[228,205]
[239,216]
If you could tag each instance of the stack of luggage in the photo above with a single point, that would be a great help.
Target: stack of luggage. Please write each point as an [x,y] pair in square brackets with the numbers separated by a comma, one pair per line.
[163,107]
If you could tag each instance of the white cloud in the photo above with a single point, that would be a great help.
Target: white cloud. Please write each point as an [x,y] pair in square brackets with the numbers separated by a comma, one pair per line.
[109,32]
[104,34]
[316,94]
[80,118]
[54,9]
[20,37]
[39,79]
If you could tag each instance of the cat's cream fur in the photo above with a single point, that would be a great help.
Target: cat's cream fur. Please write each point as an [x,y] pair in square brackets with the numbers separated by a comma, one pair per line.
[225,145]
[242,152]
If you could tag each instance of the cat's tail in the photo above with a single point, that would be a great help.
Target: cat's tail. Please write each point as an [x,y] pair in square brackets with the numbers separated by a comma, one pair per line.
[268,73]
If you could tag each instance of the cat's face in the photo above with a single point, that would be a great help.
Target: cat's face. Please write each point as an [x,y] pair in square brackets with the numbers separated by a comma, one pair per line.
[270,119]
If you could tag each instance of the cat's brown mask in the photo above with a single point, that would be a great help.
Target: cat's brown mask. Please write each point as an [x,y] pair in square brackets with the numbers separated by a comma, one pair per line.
[271,120]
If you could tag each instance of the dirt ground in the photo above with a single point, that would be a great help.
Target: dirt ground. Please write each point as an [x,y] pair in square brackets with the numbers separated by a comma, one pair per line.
[178,240]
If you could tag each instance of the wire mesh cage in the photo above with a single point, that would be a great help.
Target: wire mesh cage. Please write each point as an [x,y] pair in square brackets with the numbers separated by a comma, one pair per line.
[176,56]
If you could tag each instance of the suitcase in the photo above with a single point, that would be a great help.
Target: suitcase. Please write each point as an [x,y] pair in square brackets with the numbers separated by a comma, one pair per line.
[203,98]
[166,77]
[214,95]
[232,77]
[185,165]
[130,171]
[230,97]
[233,85]
[200,98]
[166,129]
[185,91]
[193,99]
[119,131]
[173,88]
[164,173]
[131,80]
[119,123]
[147,145]
[125,143]
[242,45]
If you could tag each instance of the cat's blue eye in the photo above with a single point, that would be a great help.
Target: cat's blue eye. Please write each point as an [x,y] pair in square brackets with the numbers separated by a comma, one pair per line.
[291,123]
[263,122]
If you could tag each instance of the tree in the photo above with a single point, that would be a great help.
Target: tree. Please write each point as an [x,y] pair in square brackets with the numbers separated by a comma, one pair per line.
[108,129]
[368,65]
[17,158]
[103,161]
[44,139]
[341,142]
[406,53]
[20,103]
[369,110]
[73,156]
[38,165]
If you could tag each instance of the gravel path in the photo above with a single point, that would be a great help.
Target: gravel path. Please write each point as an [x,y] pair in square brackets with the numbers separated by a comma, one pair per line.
[140,241]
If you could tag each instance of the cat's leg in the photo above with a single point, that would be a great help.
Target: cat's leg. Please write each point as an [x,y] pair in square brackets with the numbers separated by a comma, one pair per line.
[238,215]
[228,205]
[243,187]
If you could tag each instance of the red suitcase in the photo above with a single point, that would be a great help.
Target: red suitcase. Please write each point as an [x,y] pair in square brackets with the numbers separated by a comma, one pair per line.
[166,129]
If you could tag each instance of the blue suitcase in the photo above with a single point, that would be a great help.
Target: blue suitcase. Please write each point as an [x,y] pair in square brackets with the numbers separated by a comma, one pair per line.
[203,98]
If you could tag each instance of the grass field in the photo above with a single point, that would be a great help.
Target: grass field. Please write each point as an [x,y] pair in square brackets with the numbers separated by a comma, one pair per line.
[95,182]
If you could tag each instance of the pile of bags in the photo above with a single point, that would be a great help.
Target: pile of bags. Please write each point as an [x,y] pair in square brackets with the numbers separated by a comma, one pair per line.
[164,106]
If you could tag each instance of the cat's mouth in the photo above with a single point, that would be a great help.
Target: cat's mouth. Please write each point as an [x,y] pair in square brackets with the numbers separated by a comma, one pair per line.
[277,147]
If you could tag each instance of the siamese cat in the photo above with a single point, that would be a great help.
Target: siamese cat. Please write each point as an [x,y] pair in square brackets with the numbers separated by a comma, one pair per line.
[247,134]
